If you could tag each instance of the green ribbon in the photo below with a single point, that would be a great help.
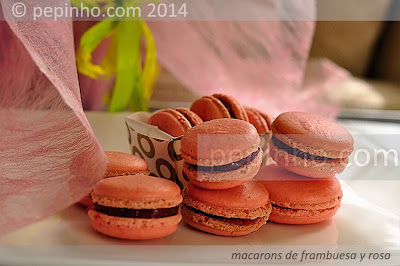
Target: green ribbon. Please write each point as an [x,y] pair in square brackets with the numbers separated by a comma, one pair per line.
[135,77]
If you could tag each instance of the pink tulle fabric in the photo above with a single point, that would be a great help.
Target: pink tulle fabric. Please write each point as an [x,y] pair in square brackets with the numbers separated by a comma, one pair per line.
[262,63]
[49,156]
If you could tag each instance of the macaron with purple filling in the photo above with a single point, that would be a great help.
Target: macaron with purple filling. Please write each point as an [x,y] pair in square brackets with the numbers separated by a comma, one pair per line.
[310,145]
[136,207]
[221,153]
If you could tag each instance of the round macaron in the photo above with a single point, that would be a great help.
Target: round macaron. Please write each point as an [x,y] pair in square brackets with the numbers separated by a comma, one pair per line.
[135,207]
[120,163]
[219,106]
[261,121]
[310,145]
[221,153]
[175,122]
[236,211]
[299,200]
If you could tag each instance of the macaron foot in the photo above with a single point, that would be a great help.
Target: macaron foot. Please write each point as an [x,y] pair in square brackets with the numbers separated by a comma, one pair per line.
[220,225]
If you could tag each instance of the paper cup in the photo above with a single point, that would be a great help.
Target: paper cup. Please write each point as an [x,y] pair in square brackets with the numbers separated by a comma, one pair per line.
[162,152]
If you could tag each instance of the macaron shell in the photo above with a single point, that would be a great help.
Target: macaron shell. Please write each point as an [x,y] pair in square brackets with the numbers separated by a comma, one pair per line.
[223,180]
[133,228]
[236,109]
[249,195]
[268,119]
[227,212]
[220,184]
[304,167]
[137,187]
[209,107]
[293,216]
[192,117]
[170,121]
[221,227]
[123,163]
[290,190]
[219,142]
[257,120]
[87,201]
[314,131]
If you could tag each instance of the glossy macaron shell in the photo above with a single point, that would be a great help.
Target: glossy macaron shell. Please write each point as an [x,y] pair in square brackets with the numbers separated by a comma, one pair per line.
[120,163]
[218,106]
[170,121]
[219,142]
[314,134]
[209,107]
[297,199]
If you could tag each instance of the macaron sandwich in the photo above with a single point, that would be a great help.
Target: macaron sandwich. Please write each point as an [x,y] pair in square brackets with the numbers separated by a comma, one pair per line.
[236,211]
[261,121]
[175,122]
[297,199]
[135,207]
[310,145]
[219,106]
[221,153]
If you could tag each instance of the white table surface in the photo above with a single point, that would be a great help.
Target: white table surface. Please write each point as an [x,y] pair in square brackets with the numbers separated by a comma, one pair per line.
[368,218]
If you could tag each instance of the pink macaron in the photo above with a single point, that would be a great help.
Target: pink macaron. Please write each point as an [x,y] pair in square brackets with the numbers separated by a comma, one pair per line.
[310,145]
[175,122]
[221,153]
[299,200]
[236,211]
[135,207]
[120,163]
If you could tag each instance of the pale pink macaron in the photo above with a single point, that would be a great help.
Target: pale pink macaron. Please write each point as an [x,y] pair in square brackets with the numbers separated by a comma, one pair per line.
[221,153]
[120,163]
[299,200]
[310,145]
[135,207]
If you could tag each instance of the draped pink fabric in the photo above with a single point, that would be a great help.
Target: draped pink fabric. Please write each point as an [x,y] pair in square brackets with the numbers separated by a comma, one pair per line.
[49,156]
[261,63]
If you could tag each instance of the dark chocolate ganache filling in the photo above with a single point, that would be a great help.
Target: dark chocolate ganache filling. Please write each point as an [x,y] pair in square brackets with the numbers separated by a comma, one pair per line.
[298,153]
[132,213]
[228,167]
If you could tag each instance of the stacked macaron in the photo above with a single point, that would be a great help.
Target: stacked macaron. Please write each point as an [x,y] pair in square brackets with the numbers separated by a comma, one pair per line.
[309,151]
[119,164]
[220,157]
